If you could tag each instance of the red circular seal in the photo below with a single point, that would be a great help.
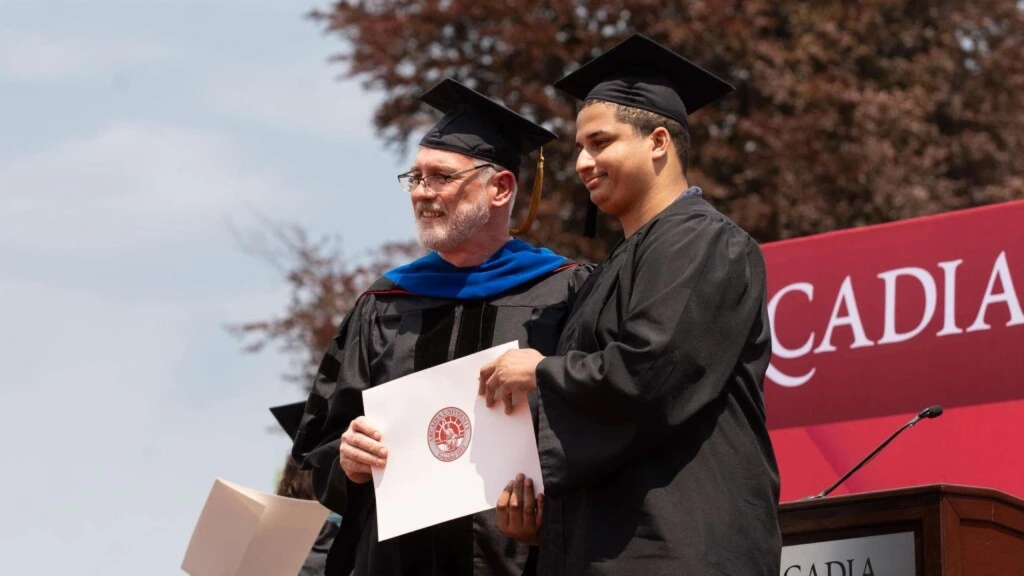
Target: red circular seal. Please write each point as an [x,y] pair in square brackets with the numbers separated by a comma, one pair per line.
[449,434]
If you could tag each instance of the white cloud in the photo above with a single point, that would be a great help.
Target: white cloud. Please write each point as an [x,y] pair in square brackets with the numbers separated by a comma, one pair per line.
[126,187]
[33,56]
[303,97]
[121,395]
[122,398]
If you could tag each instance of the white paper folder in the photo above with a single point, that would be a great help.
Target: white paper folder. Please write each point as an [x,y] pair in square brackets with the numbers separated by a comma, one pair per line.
[247,532]
[449,455]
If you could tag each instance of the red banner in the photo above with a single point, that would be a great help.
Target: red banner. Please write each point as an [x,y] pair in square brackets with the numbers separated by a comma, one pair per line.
[872,325]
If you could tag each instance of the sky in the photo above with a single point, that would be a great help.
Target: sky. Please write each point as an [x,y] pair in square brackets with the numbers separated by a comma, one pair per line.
[134,135]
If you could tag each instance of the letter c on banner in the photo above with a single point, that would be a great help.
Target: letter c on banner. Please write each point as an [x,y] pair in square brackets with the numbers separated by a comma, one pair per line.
[781,351]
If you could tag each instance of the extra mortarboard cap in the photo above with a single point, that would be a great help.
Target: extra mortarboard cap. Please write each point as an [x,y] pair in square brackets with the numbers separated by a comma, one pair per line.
[641,73]
[289,417]
[477,126]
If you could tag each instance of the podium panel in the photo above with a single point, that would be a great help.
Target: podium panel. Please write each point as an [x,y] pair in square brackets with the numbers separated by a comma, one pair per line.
[947,530]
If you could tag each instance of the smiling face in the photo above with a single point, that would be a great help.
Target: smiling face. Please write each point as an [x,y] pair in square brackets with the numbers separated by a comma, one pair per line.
[614,161]
[449,215]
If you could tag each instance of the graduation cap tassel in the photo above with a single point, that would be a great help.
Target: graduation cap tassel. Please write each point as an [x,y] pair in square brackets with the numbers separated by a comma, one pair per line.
[538,186]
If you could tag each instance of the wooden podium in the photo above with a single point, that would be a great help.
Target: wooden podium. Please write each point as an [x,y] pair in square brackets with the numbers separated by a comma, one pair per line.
[957,530]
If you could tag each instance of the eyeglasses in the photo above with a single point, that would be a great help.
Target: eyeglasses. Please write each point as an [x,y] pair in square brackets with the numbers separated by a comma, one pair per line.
[434,182]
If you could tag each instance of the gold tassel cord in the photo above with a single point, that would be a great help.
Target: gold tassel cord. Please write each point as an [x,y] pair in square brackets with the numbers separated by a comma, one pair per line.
[538,185]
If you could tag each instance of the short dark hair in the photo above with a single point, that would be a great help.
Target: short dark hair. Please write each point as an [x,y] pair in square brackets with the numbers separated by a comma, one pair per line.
[644,122]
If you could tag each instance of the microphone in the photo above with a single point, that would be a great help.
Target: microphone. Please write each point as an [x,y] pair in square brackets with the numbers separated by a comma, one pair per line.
[929,412]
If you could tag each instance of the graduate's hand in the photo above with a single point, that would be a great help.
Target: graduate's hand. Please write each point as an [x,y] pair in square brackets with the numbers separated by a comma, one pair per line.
[520,514]
[513,373]
[360,450]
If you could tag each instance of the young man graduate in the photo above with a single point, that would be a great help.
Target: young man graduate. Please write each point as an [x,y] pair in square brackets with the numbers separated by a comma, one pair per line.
[653,441]
[476,289]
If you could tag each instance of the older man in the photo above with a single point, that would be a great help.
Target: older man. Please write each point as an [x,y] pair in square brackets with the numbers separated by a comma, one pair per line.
[477,288]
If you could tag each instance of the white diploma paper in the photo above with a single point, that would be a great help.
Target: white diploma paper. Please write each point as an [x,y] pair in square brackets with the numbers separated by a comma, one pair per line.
[247,532]
[439,469]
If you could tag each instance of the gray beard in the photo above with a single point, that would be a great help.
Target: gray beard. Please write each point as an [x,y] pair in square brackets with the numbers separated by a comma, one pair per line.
[455,228]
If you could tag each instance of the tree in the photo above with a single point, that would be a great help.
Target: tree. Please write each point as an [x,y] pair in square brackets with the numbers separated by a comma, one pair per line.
[324,286]
[846,113]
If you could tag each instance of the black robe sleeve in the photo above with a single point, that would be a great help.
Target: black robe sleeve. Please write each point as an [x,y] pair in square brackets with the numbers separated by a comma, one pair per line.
[689,293]
[336,400]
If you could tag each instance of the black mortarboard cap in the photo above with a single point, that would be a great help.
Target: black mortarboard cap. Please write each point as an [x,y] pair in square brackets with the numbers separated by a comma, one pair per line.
[477,126]
[289,416]
[641,73]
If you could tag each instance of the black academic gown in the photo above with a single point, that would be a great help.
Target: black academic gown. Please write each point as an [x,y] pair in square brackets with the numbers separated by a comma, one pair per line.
[653,443]
[389,334]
